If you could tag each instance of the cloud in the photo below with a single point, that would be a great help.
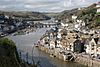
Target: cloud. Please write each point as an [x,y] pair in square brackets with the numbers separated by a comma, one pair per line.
[43,5]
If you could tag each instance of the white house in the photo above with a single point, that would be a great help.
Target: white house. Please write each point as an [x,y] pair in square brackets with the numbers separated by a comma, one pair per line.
[98,7]
[56,21]
[59,44]
[77,26]
[59,35]
[91,31]
[74,17]
[79,21]
[64,25]
[6,16]
[91,47]
[81,8]
[83,24]
[52,44]
[98,50]
[98,47]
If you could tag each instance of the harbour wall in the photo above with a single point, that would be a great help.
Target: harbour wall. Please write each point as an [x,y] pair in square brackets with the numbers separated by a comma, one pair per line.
[79,59]
[53,53]
[87,61]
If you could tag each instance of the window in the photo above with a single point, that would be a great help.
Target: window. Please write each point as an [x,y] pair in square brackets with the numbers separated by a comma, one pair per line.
[92,44]
[68,38]
[70,46]
[92,49]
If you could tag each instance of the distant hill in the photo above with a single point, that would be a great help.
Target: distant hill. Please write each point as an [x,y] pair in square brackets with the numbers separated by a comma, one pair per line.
[26,15]
[51,14]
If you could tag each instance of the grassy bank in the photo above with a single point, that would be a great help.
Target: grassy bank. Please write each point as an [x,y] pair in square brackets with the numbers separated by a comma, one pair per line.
[9,56]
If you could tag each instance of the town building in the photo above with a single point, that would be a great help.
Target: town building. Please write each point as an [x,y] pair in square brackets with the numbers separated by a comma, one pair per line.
[92,46]
[98,7]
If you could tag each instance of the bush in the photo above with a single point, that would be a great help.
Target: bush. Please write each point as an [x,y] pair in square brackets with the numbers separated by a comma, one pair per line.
[9,56]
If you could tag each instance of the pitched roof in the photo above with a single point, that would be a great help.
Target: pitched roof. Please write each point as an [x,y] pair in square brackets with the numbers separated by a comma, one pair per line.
[63,31]
[77,41]
[63,41]
[71,40]
[51,31]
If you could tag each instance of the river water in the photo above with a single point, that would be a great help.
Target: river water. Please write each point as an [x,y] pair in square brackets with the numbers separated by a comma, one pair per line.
[25,44]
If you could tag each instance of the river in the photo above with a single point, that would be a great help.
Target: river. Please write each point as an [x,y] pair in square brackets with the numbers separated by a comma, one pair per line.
[25,44]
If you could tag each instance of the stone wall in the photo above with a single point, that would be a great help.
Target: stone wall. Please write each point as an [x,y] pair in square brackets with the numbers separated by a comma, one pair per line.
[52,52]
[81,60]
[88,61]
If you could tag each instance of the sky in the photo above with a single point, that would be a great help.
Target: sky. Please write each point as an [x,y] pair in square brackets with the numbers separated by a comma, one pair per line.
[43,5]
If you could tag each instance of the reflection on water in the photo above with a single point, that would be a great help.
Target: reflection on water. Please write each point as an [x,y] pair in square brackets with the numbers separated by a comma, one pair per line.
[25,43]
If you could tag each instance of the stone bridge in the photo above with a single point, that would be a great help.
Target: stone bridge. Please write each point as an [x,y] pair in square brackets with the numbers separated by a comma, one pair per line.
[46,24]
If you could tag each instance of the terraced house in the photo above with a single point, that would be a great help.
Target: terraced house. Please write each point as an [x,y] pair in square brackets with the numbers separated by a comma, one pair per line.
[98,7]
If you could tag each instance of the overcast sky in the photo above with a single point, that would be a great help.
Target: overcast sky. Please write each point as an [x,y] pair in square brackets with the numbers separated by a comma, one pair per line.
[43,5]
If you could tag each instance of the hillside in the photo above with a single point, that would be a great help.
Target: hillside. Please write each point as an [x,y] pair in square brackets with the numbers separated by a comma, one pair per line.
[87,14]
[66,14]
